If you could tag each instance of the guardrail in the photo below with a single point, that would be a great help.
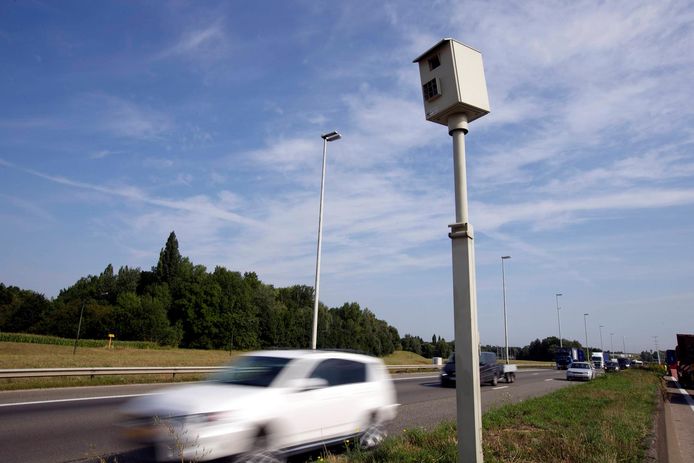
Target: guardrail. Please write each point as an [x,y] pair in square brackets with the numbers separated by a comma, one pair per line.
[105,371]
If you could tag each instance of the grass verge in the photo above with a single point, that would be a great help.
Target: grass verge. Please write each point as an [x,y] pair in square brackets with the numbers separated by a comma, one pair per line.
[606,420]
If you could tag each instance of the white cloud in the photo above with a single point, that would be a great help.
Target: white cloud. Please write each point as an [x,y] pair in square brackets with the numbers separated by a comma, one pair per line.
[196,41]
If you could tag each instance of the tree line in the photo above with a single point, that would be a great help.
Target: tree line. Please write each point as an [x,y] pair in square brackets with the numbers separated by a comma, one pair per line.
[177,303]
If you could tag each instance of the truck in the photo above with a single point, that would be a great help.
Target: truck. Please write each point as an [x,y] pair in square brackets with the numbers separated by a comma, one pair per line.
[566,356]
[490,371]
[598,359]
[685,359]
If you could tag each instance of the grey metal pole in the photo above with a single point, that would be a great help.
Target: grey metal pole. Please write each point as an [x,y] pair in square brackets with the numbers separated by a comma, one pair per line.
[657,349]
[559,320]
[611,343]
[602,348]
[585,327]
[314,334]
[468,396]
[624,345]
[79,326]
[503,285]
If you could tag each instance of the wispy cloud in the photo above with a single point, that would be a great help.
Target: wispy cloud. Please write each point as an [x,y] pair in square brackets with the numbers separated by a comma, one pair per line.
[199,204]
[194,42]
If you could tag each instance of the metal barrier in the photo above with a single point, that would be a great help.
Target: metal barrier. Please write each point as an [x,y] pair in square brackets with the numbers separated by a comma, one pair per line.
[105,371]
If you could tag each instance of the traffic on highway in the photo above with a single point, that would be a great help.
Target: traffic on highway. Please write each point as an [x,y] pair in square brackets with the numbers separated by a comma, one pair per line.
[78,424]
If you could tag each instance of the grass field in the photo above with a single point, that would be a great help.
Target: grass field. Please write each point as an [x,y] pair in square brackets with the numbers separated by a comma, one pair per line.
[606,420]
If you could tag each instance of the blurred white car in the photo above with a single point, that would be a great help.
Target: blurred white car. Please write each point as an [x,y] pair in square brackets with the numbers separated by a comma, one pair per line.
[580,370]
[266,406]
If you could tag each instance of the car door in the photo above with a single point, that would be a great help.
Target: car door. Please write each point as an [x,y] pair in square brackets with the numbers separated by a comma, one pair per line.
[344,400]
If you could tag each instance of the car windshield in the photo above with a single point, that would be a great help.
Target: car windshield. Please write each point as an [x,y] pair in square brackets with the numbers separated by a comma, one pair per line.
[251,371]
[487,358]
[583,366]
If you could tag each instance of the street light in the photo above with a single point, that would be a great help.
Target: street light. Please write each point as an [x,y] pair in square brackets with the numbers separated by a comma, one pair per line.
[559,320]
[585,327]
[328,137]
[503,286]
[602,348]
[79,326]
[455,93]
[611,343]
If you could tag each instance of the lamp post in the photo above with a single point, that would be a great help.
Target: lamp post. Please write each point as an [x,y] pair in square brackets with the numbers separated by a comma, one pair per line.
[601,345]
[503,286]
[327,137]
[585,327]
[79,326]
[624,345]
[611,343]
[455,93]
[559,320]
[657,349]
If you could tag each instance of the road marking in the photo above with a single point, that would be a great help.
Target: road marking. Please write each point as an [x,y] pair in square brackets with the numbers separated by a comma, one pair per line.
[686,395]
[550,379]
[535,374]
[499,387]
[414,377]
[77,399]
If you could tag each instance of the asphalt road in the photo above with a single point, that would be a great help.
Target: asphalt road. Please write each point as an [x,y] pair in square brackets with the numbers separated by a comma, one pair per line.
[76,424]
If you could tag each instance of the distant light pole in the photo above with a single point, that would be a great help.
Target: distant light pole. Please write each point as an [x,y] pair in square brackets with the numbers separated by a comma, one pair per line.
[624,345]
[585,327]
[503,285]
[611,343]
[601,345]
[657,349]
[328,137]
[559,320]
[79,326]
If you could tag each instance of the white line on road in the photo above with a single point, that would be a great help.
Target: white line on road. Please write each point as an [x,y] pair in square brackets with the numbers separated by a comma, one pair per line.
[78,399]
[686,395]
[499,387]
[550,379]
[414,377]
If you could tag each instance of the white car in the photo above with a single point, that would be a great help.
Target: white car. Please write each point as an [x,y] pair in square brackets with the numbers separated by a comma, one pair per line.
[580,370]
[266,406]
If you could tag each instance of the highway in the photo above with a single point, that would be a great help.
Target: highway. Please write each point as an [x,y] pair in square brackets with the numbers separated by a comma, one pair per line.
[76,424]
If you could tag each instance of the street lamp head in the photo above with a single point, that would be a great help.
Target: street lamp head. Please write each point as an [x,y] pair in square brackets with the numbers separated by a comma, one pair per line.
[505,257]
[332,136]
[559,294]
[586,314]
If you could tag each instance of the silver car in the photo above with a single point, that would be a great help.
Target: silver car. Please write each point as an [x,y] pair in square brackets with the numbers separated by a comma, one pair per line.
[581,371]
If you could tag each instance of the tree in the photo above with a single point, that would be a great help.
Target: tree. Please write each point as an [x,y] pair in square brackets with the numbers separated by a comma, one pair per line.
[169,265]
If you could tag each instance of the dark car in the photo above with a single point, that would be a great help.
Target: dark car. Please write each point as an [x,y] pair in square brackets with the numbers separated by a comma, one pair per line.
[612,366]
[624,363]
[490,371]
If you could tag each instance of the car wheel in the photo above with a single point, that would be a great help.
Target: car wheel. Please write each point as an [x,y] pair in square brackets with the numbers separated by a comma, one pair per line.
[372,437]
[261,453]
[495,381]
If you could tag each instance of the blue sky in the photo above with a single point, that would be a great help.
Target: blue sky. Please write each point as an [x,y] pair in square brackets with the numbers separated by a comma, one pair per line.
[120,122]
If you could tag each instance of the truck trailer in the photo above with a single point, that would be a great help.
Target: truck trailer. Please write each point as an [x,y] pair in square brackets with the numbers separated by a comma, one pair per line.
[685,359]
